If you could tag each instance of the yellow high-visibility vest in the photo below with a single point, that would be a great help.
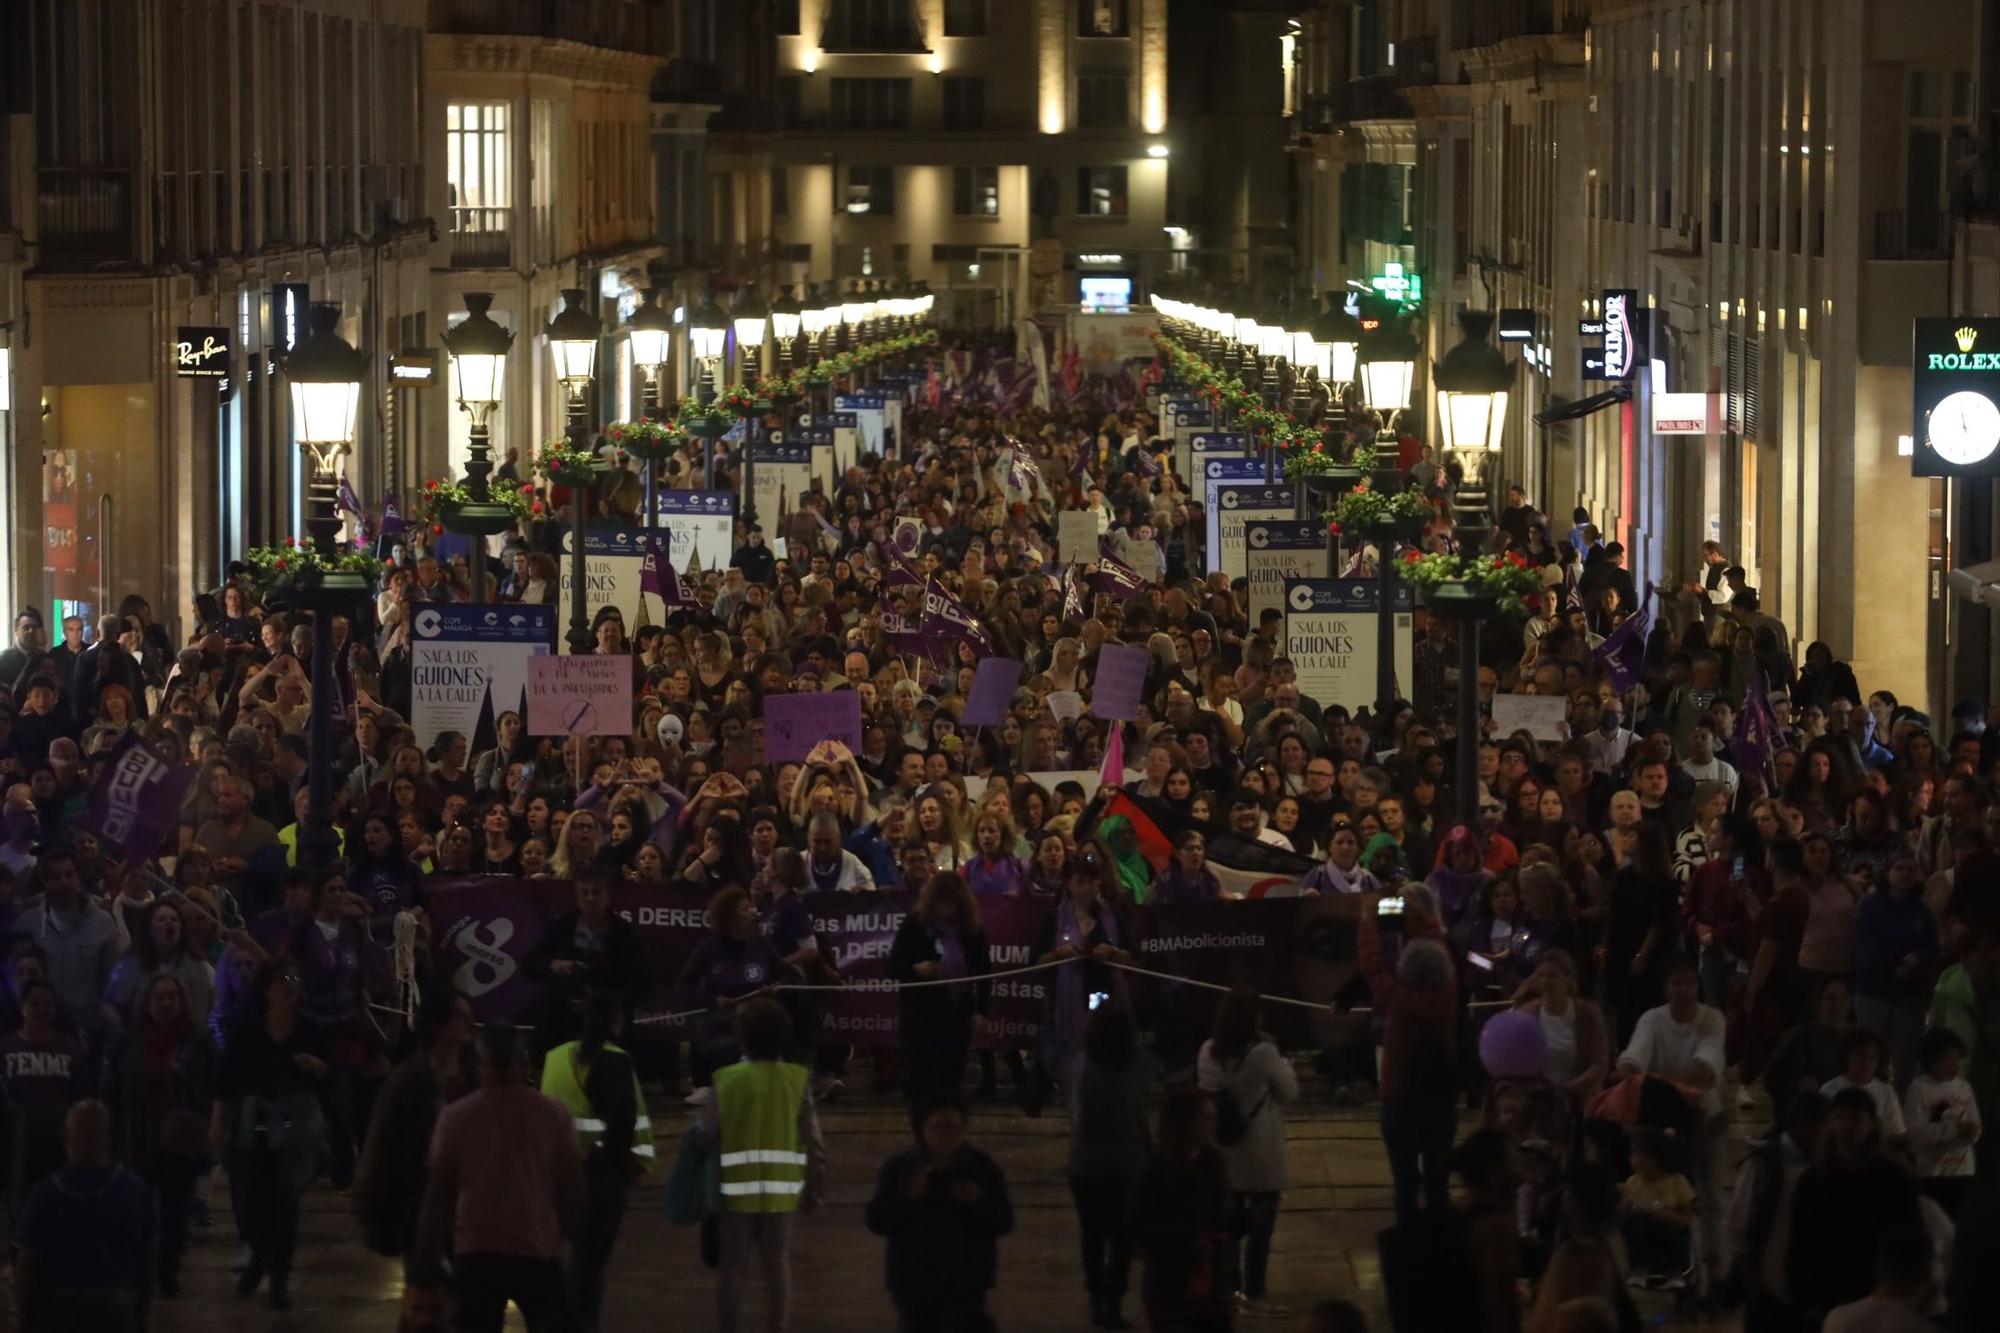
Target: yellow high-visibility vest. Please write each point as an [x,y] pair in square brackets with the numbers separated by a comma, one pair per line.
[763,1163]
[562,1079]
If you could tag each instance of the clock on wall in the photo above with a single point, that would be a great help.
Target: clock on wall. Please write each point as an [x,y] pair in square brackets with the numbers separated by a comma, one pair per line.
[1965,428]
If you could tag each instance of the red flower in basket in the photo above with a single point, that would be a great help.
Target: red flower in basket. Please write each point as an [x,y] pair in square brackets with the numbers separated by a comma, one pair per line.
[1411,556]
[431,485]
[437,529]
[1333,528]
[280,565]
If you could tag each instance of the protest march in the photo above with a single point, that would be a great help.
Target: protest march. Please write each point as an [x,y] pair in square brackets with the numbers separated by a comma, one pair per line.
[1013,740]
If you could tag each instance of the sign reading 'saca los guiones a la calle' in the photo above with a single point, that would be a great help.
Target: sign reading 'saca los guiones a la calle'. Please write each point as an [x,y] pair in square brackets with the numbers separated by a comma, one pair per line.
[1955,375]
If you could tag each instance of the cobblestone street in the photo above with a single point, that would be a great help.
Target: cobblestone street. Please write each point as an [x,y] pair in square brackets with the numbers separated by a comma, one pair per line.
[1325,1244]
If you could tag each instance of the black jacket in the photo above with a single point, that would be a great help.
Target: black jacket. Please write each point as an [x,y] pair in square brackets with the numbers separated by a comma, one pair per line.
[619,966]
[931,1013]
[1838,1215]
[943,1254]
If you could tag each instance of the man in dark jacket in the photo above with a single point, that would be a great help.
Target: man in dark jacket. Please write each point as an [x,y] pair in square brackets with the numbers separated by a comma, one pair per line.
[589,949]
[942,1205]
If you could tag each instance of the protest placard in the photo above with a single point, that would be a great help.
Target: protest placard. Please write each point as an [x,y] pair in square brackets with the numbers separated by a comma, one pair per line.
[993,684]
[1076,537]
[1121,680]
[1066,705]
[1541,716]
[794,723]
[587,695]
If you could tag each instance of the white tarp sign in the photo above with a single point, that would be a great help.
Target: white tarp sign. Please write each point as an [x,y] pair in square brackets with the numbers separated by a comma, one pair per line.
[469,663]
[1330,635]
[1276,551]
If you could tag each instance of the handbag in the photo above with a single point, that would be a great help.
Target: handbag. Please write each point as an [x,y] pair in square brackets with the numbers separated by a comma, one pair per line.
[694,1190]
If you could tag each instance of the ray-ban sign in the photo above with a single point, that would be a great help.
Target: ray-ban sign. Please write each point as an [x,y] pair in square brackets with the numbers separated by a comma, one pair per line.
[201,354]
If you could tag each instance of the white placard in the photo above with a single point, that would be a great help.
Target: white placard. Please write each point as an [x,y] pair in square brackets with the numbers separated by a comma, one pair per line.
[1540,715]
[1076,537]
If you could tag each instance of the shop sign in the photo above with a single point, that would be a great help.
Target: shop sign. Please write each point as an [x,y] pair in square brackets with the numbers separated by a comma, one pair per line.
[1955,374]
[288,316]
[1620,342]
[1680,414]
[201,353]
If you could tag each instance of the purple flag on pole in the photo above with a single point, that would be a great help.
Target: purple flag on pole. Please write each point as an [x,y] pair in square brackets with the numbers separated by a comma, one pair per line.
[1758,735]
[346,500]
[650,580]
[658,576]
[137,801]
[1116,577]
[946,617]
[1075,605]
[392,521]
[1624,653]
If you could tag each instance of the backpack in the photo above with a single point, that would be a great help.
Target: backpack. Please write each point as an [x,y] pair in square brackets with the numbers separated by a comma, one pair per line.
[1231,1124]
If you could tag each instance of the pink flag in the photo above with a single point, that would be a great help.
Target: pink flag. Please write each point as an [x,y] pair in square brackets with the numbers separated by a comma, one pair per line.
[1113,772]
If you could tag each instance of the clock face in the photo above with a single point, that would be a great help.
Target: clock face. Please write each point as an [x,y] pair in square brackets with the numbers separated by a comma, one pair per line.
[1965,428]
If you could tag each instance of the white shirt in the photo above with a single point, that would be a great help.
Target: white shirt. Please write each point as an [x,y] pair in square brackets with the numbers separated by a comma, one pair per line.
[1933,1111]
[1715,770]
[1666,1049]
[1559,1065]
[1884,1096]
[1607,752]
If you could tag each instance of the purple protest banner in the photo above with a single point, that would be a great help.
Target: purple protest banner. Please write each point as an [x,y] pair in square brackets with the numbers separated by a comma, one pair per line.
[1121,680]
[993,683]
[137,801]
[795,723]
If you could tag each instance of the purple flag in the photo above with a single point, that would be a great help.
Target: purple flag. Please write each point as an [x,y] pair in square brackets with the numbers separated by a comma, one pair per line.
[650,579]
[1116,577]
[945,617]
[345,500]
[392,521]
[658,576]
[1758,735]
[136,803]
[1624,653]
[1145,462]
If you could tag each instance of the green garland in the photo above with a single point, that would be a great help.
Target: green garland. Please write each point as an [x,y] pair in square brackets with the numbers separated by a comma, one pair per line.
[1365,507]
[271,565]
[1509,577]
[443,493]
[1303,445]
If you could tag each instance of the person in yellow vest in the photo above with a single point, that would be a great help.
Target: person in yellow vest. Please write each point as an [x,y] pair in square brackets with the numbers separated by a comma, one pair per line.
[596,1081]
[760,1118]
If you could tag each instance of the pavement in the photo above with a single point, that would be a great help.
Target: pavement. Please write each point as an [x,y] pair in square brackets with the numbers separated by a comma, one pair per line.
[1324,1247]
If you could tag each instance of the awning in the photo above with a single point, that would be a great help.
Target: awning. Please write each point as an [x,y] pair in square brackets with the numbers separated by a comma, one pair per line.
[1978,583]
[1583,407]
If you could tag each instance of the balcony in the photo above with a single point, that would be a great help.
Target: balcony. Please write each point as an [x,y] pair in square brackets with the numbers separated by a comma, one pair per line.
[482,237]
[869,31]
[640,26]
[1905,236]
[85,214]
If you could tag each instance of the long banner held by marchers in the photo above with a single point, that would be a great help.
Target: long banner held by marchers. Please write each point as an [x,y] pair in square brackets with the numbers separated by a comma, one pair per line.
[1297,948]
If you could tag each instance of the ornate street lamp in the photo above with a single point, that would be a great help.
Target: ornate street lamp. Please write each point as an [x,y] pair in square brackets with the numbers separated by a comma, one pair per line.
[1472,383]
[786,317]
[324,376]
[651,330]
[479,347]
[1387,363]
[573,335]
[751,317]
[708,330]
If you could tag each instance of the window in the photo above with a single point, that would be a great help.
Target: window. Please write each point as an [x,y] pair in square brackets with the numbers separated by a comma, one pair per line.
[871,191]
[477,167]
[786,20]
[781,193]
[975,192]
[964,103]
[870,25]
[1101,102]
[965,18]
[791,93]
[871,104]
[1100,192]
[1100,18]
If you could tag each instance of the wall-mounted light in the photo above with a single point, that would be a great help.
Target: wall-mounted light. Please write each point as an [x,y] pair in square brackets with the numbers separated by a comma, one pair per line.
[809,62]
[1906,446]
[1157,150]
[936,62]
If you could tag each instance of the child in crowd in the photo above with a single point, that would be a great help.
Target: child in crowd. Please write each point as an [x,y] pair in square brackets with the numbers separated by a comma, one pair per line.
[1656,1212]
[1943,1119]
[1861,1056]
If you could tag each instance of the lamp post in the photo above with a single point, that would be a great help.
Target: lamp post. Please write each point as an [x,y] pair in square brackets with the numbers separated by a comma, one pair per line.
[707,332]
[786,316]
[324,375]
[1386,361]
[651,330]
[573,347]
[1473,382]
[479,348]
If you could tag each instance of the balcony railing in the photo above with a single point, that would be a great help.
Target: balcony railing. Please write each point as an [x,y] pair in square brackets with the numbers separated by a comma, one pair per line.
[1478,23]
[862,30]
[482,237]
[85,213]
[617,25]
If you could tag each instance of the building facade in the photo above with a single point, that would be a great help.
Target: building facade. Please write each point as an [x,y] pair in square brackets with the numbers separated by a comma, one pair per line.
[1761,189]
[538,121]
[184,179]
[939,139]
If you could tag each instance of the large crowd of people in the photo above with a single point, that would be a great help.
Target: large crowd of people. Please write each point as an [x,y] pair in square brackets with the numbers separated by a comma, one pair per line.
[1672,929]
